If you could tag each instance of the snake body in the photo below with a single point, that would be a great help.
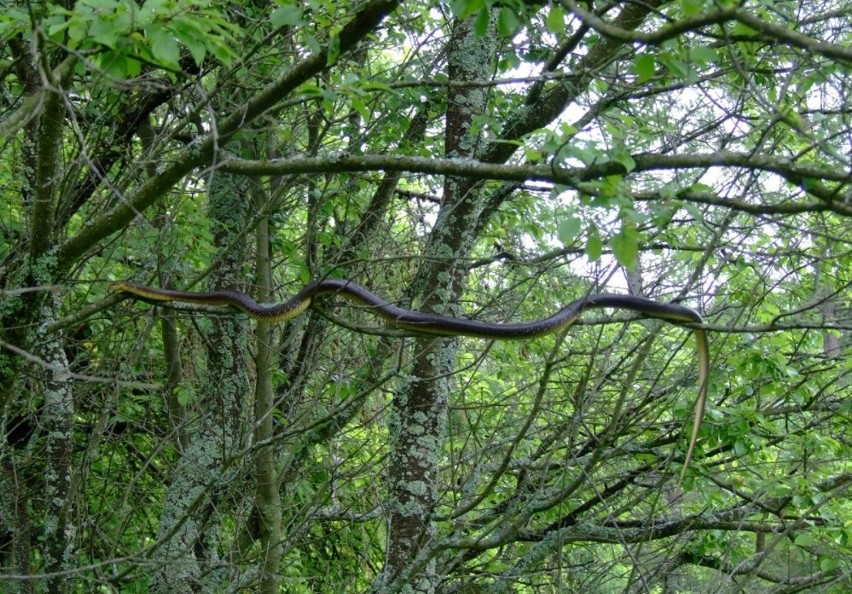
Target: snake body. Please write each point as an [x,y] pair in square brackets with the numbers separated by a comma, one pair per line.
[440,325]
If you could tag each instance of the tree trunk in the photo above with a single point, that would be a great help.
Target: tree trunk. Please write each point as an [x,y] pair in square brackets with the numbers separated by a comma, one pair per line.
[420,408]
[189,525]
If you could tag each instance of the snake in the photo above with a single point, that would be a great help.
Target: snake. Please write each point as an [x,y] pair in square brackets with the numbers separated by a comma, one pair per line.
[442,325]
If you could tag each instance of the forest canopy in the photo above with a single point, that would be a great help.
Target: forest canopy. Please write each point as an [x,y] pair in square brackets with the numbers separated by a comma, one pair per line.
[485,160]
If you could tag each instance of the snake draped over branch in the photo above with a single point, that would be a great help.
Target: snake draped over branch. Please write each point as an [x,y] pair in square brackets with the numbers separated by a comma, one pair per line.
[439,325]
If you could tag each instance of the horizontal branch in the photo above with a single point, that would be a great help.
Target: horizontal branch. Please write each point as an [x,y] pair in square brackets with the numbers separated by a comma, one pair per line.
[772,31]
[569,176]
[665,33]
[794,38]
[762,328]
[64,373]
[712,199]
[345,163]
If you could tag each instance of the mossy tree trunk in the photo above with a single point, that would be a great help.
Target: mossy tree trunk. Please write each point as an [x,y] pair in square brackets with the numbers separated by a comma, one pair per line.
[206,473]
[420,408]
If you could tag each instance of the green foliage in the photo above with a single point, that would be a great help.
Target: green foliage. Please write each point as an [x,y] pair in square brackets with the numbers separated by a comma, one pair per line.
[286,16]
[126,36]
[644,67]
[568,229]
[625,246]
[555,460]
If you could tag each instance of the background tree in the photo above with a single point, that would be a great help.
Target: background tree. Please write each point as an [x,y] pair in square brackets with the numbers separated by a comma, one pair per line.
[491,160]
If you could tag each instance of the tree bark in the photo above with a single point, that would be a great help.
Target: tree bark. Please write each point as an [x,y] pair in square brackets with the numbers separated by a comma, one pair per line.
[268,494]
[189,527]
[420,408]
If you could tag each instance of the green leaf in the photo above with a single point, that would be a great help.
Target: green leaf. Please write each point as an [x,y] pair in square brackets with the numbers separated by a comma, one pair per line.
[661,214]
[483,122]
[115,65]
[164,46]
[699,187]
[333,51]
[156,6]
[191,36]
[691,7]
[106,32]
[693,210]
[809,183]
[703,54]
[744,30]
[220,50]
[312,42]
[185,395]
[568,229]
[625,246]
[555,22]
[310,90]
[465,8]
[507,22]
[532,154]
[57,27]
[285,16]
[594,245]
[675,65]
[375,86]
[361,107]
[480,27]
[805,539]
[644,67]
[625,159]
[77,31]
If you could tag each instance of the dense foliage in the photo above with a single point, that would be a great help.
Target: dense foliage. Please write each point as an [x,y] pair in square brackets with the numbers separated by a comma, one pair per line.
[488,159]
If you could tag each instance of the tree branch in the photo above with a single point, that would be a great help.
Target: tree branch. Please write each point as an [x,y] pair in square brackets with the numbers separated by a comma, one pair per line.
[568,176]
[364,22]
